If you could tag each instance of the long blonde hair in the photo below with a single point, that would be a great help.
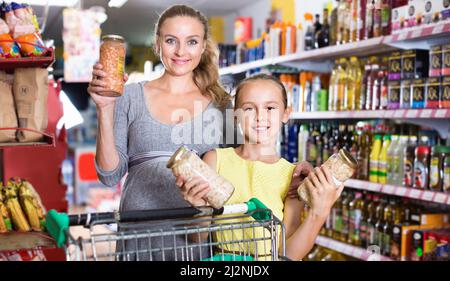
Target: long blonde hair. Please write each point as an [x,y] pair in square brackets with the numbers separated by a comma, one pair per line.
[206,74]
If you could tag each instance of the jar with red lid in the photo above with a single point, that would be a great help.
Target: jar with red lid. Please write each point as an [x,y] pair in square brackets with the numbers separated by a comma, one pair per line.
[421,167]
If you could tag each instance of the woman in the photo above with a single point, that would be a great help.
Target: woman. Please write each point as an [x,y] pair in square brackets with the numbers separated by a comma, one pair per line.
[139,131]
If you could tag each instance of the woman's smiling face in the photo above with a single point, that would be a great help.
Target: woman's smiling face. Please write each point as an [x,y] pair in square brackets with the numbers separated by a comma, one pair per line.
[181,44]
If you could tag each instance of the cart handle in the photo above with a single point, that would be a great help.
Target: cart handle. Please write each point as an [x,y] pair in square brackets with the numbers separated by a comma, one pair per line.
[57,223]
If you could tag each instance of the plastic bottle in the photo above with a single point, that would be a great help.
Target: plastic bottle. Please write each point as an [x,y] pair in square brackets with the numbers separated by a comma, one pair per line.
[364,87]
[370,10]
[300,39]
[334,24]
[341,85]
[354,76]
[332,88]
[382,160]
[345,217]
[302,142]
[316,87]
[377,18]
[390,175]
[356,212]
[376,87]
[336,216]
[371,221]
[293,143]
[309,33]
[398,164]
[374,158]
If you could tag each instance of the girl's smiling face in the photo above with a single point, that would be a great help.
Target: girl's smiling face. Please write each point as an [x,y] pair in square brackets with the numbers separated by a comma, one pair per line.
[261,111]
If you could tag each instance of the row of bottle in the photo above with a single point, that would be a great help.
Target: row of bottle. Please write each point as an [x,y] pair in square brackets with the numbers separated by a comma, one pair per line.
[365,219]
[419,160]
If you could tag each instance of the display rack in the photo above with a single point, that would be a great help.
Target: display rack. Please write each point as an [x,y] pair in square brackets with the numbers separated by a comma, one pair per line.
[413,193]
[421,37]
[375,114]
[10,64]
[349,250]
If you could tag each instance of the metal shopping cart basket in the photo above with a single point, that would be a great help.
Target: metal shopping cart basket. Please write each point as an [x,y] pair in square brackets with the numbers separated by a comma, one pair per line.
[240,232]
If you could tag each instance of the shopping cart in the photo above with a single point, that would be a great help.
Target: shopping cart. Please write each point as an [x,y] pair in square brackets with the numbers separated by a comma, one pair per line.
[252,233]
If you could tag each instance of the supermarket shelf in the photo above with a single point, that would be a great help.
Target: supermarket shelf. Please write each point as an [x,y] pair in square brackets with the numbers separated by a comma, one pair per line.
[25,240]
[349,250]
[425,195]
[378,114]
[44,62]
[419,37]
[47,139]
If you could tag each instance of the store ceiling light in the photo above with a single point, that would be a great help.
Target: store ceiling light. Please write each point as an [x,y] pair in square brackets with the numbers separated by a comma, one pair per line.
[116,3]
[61,3]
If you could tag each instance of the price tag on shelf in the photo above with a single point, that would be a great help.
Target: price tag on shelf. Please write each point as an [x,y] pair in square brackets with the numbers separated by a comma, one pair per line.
[416,33]
[426,113]
[415,193]
[402,36]
[400,191]
[388,189]
[440,197]
[412,113]
[438,28]
[440,113]
[427,195]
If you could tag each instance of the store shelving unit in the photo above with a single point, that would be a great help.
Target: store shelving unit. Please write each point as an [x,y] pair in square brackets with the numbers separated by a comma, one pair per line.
[349,250]
[413,193]
[421,37]
[375,114]
[44,62]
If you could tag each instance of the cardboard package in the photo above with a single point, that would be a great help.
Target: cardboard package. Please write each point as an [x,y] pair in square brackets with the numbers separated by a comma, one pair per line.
[30,94]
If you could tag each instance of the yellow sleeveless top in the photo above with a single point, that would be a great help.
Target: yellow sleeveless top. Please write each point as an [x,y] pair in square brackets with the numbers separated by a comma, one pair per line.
[252,179]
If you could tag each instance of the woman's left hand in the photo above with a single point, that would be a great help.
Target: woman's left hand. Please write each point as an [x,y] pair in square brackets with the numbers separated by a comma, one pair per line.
[323,191]
[301,171]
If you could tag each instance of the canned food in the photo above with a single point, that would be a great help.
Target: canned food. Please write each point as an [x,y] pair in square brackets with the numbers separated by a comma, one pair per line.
[187,164]
[112,58]
[342,166]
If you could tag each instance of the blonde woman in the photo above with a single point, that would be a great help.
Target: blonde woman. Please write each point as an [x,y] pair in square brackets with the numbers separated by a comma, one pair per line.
[138,131]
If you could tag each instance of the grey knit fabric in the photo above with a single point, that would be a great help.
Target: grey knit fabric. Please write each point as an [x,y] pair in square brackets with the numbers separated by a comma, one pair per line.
[150,184]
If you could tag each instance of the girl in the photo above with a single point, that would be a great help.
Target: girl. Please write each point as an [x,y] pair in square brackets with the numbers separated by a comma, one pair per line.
[255,169]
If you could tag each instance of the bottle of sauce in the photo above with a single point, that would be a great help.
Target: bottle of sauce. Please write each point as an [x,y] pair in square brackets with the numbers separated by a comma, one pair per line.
[421,166]
[408,162]
[374,158]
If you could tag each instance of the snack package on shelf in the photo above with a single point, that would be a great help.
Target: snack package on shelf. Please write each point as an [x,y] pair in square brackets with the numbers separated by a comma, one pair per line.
[30,94]
[8,117]
[8,48]
[23,29]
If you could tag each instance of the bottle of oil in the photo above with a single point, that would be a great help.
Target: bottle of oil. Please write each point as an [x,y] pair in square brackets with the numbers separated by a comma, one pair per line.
[380,222]
[387,228]
[354,76]
[341,85]
[336,216]
[346,217]
[364,88]
[363,155]
[333,88]
[390,159]
[356,212]
[363,227]
[372,215]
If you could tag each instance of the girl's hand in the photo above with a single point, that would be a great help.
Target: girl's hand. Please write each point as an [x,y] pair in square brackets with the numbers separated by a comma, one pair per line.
[301,171]
[97,85]
[194,190]
[323,191]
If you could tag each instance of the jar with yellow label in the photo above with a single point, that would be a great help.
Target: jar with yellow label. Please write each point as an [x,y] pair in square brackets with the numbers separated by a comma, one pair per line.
[112,58]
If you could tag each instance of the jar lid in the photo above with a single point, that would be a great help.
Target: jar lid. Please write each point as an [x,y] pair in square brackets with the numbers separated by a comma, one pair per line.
[423,149]
[176,156]
[113,37]
[349,159]
[441,149]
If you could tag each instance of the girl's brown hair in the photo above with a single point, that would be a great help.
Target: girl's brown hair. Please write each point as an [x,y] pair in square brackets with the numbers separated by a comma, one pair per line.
[265,77]
[206,74]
